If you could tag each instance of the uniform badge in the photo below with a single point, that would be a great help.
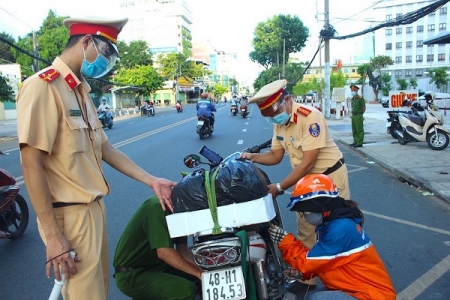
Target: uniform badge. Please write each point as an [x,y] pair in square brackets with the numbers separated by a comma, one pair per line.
[49,75]
[280,138]
[304,111]
[295,118]
[75,112]
[314,130]
[71,82]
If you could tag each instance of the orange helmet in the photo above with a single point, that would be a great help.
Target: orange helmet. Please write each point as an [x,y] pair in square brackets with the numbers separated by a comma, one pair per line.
[315,193]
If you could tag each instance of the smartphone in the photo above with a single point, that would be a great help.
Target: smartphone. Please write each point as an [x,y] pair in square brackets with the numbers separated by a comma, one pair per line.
[210,155]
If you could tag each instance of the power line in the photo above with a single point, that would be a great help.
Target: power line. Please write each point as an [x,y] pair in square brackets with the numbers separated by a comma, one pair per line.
[348,18]
[16,18]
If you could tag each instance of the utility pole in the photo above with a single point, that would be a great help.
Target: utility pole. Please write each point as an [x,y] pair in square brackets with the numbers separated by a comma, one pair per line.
[327,97]
[284,56]
[35,62]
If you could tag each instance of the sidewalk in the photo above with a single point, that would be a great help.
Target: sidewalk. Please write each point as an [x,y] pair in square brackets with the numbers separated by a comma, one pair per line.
[414,163]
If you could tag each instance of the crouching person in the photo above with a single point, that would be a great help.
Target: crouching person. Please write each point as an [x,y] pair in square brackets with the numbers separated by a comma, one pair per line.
[147,266]
[343,257]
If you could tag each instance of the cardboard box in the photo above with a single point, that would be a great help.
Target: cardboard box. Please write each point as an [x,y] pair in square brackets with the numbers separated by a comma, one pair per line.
[233,215]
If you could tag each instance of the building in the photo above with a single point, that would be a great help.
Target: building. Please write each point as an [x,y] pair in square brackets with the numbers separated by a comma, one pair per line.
[404,43]
[12,73]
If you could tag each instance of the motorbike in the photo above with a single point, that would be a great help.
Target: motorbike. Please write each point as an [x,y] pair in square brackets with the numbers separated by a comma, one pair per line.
[203,127]
[179,107]
[233,109]
[102,118]
[244,110]
[148,110]
[392,121]
[14,214]
[424,124]
[220,255]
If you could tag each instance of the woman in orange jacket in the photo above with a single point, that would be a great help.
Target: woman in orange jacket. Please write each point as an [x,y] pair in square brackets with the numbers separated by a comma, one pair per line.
[343,258]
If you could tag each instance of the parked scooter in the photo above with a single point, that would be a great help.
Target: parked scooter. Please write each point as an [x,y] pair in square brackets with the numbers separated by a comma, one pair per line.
[14,213]
[204,127]
[179,107]
[421,126]
[221,256]
[102,117]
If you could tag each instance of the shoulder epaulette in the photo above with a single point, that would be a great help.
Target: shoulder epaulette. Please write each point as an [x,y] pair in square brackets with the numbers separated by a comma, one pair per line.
[303,111]
[49,75]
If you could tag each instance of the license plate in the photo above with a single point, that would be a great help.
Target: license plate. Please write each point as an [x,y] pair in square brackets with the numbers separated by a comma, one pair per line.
[243,110]
[200,123]
[223,284]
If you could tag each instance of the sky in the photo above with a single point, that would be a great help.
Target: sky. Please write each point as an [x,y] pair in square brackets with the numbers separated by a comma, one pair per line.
[227,24]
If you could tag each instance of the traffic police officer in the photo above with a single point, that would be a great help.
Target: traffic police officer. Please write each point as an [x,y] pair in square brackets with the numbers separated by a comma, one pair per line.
[300,131]
[358,109]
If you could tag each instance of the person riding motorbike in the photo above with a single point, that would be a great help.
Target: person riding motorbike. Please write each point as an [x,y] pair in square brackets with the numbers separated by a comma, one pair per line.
[343,257]
[179,106]
[104,108]
[205,109]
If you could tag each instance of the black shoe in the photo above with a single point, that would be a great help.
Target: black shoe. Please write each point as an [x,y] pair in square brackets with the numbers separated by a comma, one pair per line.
[352,144]
[357,146]
[296,287]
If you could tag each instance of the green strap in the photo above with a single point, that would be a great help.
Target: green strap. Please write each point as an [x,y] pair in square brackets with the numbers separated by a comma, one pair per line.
[247,270]
[210,186]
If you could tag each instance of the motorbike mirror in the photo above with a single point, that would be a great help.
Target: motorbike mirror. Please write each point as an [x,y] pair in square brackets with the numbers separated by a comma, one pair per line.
[192,160]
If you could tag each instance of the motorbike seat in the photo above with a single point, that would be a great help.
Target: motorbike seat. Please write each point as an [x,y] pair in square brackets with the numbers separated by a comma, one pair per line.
[419,120]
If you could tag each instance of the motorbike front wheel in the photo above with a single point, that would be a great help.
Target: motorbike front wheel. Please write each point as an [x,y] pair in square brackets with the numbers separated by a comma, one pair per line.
[438,140]
[15,218]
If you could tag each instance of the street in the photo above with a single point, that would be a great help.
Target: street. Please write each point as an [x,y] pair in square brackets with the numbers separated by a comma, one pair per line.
[411,231]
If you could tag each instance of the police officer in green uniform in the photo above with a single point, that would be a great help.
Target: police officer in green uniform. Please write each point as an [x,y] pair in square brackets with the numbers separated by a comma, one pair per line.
[147,266]
[358,109]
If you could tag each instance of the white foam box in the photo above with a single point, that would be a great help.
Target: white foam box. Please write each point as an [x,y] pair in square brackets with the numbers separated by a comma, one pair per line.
[232,215]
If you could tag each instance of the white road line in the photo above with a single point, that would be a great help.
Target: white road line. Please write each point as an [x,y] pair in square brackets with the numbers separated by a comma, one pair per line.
[423,282]
[244,130]
[240,142]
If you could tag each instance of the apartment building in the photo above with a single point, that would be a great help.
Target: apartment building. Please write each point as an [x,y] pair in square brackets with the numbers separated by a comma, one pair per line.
[404,43]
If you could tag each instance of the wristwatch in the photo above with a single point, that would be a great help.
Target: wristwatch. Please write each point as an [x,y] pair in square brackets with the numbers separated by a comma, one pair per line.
[279,187]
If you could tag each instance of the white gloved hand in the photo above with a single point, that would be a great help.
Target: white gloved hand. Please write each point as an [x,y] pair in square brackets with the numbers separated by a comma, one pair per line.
[277,234]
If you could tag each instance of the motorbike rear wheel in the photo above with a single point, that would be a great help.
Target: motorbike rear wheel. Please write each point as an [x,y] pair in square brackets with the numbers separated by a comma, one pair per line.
[15,218]
[439,140]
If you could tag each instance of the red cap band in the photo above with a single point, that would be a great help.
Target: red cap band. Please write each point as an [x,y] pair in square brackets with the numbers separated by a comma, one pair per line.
[271,100]
[108,32]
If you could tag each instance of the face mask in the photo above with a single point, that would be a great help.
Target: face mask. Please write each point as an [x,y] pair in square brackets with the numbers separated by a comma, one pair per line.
[353,93]
[279,119]
[94,69]
[313,218]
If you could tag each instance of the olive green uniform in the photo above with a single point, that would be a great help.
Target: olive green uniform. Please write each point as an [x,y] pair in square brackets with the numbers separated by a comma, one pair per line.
[148,277]
[358,108]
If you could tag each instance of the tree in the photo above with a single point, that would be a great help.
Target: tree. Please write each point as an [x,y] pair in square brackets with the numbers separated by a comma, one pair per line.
[145,77]
[293,70]
[413,83]
[174,65]
[25,61]
[134,54]
[338,79]
[218,90]
[386,85]
[439,77]
[269,36]
[6,53]
[6,92]
[362,72]
[402,83]
[303,87]
[378,63]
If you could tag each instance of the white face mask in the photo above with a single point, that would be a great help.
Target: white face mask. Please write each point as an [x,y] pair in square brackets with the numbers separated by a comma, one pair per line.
[353,93]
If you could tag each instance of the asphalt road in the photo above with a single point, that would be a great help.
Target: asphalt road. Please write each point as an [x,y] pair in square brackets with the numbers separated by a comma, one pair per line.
[410,231]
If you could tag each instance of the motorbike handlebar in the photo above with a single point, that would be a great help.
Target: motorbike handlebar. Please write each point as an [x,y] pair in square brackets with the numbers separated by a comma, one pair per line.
[257,148]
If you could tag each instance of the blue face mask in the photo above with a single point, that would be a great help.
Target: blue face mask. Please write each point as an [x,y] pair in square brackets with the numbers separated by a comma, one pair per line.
[313,218]
[280,119]
[94,69]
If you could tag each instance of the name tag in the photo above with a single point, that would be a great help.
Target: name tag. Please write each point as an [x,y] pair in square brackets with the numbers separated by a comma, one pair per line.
[280,138]
[75,113]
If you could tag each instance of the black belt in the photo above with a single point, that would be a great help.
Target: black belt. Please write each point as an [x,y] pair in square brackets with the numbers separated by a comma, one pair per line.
[334,168]
[119,269]
[355,114]
[65,204]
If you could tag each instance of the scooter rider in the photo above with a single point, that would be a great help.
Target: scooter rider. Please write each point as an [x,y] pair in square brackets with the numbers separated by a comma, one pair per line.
[205,109]
[104,108]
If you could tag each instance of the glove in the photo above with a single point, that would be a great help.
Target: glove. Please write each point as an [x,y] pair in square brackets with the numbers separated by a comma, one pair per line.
[277,234]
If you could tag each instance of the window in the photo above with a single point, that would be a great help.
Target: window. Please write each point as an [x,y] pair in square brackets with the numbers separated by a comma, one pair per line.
[388,17]
[419,73]
[441,57]
[388,31]
[442,26]
[432,14]
[388,46]
[398,16]
[408,73]
[398,74]
[430,57]
[398,59]
[419,28]
[443,11]
[317,71]
[431,27]
[353,70]
[398,45]
[398,30]
[409,29]
[408,58]
[419,44]
[419,58]
[409,45]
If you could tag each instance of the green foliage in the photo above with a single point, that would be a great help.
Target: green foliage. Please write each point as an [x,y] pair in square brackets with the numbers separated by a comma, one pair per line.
[269,36]
[402,83]
[6,53]
[362,72]
[173,65]
[413,83]
[293,70]
[338,79]
[135,54]
[439,77]
[145,77]
[25,61]
[304,87]
[386,84]
[218,90]
[380,62]
[6,92]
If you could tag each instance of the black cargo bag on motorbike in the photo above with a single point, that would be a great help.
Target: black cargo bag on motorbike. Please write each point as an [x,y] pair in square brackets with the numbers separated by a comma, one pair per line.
[235,181]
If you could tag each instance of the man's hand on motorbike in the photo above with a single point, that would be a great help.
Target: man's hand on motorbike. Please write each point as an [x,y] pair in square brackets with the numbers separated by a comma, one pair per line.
[249,156]
[163,190]
[59,258]
[273,190]
[276,233]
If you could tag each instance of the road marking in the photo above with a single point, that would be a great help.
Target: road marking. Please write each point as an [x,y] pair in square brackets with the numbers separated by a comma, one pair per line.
[423,282]
[240,142]
[244,130]
[355,168]
[10,150]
